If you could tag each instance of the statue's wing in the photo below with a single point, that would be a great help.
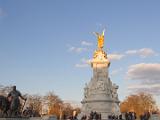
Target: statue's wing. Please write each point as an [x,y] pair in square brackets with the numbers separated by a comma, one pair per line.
[103,31]
[96,34]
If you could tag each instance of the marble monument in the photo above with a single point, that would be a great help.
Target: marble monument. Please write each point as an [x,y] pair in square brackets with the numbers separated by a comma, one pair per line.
[100,94]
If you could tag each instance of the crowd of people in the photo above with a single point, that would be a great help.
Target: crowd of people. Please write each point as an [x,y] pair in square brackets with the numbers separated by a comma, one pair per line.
[115,117]
[145,116]
[97,116]
[127,116]
[92,116]
[130,116]
[29,112]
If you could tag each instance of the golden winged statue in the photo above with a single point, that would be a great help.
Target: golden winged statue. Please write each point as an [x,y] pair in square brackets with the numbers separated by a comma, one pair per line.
[100,39]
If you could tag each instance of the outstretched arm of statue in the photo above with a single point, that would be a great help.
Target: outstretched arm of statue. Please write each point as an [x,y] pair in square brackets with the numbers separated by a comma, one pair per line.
[22,97]
[96,34]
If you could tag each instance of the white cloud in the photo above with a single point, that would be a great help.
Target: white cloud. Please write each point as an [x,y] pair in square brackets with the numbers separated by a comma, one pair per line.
[137,86]
[116,71]
[144,71]
[85,43]
[147,77]
[115,56]
[84,60]
[83,63]
[130,52]
[77,49]
[152,88]
[82,48]
[144,52]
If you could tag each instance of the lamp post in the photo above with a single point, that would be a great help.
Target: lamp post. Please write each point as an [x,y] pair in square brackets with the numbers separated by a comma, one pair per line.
[60,111]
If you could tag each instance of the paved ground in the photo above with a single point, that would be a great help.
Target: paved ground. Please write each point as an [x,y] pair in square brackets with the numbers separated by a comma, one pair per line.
[155,117]
[36,118]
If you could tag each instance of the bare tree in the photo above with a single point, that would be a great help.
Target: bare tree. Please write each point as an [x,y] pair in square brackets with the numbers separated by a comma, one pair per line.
[4,90]
[34,103]
[54,103]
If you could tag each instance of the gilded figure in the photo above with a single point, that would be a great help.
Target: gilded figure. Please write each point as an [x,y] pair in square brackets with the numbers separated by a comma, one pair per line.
[100,39]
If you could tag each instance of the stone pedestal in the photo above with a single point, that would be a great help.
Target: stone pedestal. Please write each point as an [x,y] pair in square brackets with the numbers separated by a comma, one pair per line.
[100,94]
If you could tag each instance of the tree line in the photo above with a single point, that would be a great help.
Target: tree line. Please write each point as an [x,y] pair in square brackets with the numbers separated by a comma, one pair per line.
[52,104]
[49,104]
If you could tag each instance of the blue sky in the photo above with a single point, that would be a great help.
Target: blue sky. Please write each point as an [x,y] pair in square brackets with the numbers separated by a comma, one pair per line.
[44,45]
